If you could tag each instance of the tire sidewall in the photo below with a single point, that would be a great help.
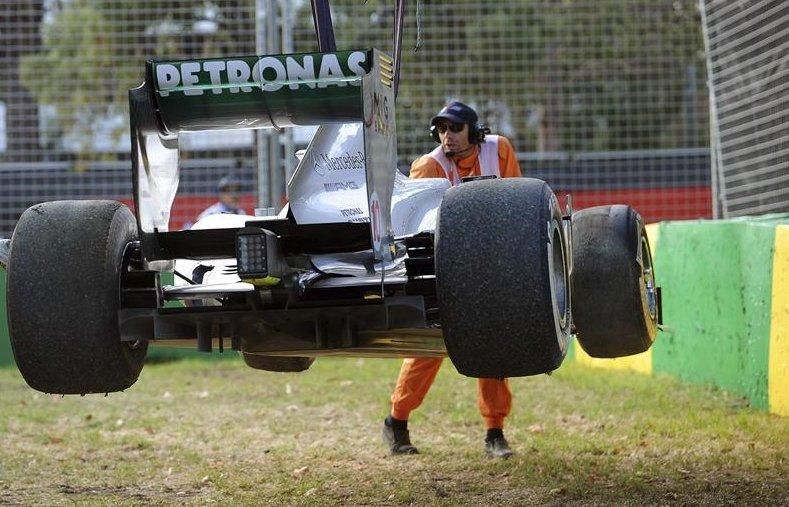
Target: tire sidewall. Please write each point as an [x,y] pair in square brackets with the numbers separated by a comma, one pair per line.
[562,319]
[122,232]
[643,261]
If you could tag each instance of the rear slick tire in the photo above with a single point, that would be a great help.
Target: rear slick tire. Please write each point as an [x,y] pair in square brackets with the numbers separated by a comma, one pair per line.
[613,282]
[502,278]
[64,277]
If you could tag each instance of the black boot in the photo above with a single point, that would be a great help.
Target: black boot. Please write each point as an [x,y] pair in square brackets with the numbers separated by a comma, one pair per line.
[395,436]
[496,445]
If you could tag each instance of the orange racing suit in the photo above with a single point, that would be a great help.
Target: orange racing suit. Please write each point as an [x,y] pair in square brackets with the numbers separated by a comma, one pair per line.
[417,375]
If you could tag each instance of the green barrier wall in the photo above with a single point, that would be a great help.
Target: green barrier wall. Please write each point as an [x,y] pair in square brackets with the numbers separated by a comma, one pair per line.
[6,356]
[717,281]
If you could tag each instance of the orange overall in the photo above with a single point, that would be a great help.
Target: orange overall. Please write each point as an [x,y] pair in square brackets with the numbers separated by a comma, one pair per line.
[417,374]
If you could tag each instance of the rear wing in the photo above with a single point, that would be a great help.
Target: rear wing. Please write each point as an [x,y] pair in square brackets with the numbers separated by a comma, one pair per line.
[252,92]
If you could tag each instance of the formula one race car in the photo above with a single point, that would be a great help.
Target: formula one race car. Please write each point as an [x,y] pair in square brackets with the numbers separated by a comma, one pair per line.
[361,262]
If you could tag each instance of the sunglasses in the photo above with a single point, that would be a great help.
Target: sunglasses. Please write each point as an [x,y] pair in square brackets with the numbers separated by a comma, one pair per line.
[454,127]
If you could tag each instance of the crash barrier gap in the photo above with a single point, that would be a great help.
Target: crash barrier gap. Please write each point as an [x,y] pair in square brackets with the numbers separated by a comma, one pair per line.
[725,309]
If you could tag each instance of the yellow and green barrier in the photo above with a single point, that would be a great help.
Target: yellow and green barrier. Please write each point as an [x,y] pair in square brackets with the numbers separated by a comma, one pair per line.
[725,308]
[778,363]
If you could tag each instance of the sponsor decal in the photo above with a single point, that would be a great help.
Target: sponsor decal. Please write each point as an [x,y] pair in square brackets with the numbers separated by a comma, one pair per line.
[337,186]
[347,162]
[268,73]
[352,212]
[380,118]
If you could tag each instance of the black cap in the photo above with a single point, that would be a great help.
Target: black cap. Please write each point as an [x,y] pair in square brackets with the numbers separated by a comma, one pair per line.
[456,112]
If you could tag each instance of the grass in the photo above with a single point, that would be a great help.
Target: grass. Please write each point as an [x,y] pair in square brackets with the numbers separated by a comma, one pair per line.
[200,432]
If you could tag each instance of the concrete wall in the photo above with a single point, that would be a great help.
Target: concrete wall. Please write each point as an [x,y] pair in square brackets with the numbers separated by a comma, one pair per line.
[725,308]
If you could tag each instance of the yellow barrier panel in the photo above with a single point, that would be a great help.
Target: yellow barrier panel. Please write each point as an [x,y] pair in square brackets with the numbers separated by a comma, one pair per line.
[778,368]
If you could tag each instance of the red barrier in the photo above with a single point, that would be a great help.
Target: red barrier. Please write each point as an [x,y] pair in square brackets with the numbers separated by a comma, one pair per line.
[186,208]
[655,205]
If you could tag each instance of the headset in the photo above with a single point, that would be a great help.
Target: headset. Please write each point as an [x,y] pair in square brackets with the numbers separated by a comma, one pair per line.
[476,133]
